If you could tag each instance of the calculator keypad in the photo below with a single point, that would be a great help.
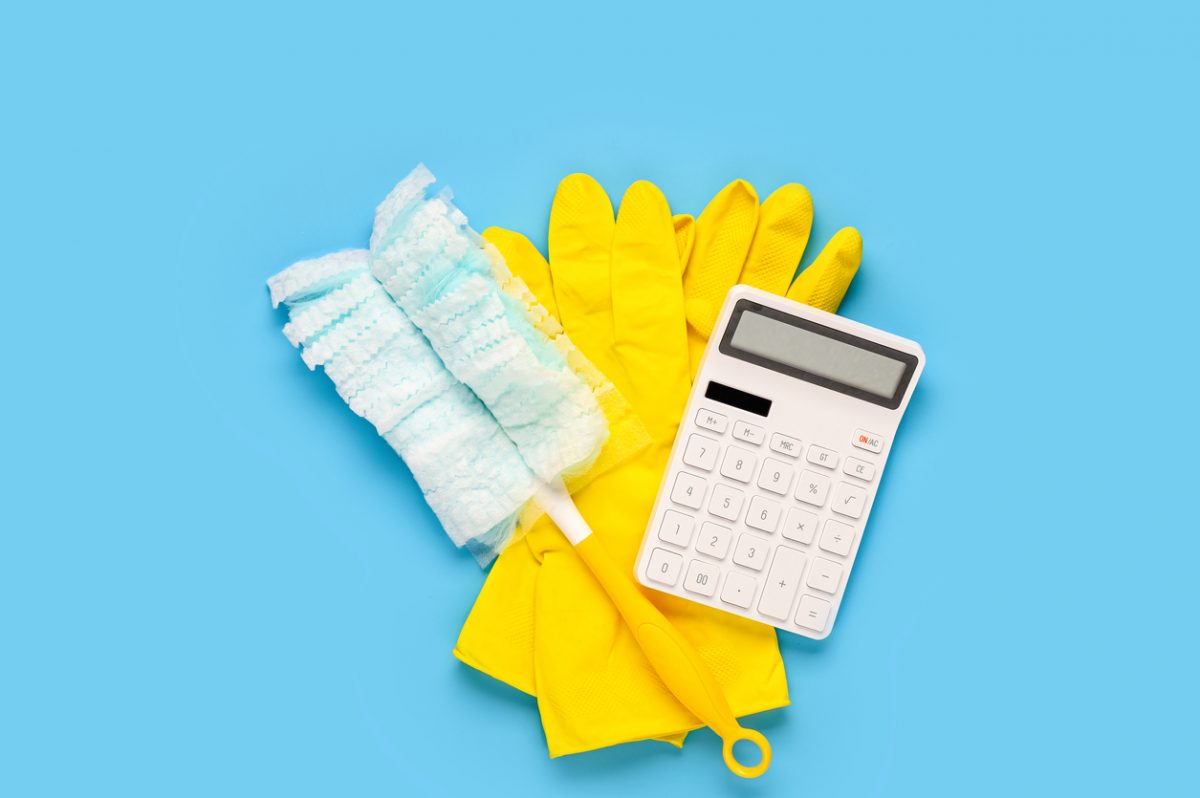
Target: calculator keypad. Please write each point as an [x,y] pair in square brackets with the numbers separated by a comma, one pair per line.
[768,531]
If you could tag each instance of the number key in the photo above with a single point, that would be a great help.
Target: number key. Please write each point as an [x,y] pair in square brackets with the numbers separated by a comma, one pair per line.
[664,567]
[751,551]
[763,514]
[738,464]
[688,490]
[701,452]
[714,540]
[775,477]
[676,528]
[701,578]
[726,502]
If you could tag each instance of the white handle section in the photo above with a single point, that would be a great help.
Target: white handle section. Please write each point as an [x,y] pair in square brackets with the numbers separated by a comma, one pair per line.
[558,504]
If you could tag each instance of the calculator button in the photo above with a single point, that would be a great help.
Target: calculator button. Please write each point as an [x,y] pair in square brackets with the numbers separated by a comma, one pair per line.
[859,468]
[822,457]
[714,540]
[751,551]
[701,578]
[800,525]
[748,433]
[775,477]
[813,613]
[676,528]
[837,537]
[849,500]
[713,421]
[738,589]
[726,502]
[824,575]
[812,488]
[783,580]
[701,452]
[763,514]
[867,440]
[664,567]
[688,490]
[738,464]
[785,445]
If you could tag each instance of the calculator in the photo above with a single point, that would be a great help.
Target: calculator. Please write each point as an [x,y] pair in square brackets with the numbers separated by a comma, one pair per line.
[776,462]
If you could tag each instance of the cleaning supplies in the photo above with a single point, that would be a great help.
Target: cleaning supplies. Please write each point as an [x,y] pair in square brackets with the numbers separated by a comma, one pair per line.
[431,263]
[441,276]
[540,624]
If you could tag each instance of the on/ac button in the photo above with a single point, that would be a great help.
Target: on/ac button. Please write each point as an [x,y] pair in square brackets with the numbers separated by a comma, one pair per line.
[867,440]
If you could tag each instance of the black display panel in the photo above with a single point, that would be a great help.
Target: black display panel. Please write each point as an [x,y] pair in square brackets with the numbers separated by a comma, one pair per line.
[739,399]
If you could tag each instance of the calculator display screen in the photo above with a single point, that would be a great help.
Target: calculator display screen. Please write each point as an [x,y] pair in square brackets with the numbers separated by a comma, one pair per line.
[819,354]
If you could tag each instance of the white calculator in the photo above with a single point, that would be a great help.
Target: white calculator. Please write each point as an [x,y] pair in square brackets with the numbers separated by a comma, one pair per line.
[776,462]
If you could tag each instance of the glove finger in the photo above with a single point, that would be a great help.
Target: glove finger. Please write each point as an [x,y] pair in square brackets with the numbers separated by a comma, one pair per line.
[649,326]
[723,235]
[526,262]
[823,284]
[581,231]
[497,637]
[784,223]
[685,237]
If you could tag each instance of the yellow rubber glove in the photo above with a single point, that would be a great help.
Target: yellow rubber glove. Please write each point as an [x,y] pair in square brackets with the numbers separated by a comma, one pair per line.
[638,296]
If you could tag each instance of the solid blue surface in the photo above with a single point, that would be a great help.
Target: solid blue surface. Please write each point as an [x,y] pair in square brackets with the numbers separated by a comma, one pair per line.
[215,580]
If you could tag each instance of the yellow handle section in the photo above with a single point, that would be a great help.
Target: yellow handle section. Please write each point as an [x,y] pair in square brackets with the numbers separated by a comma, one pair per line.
[673,658]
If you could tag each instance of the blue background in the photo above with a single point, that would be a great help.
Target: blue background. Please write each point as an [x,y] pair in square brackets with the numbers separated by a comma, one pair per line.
[216,580]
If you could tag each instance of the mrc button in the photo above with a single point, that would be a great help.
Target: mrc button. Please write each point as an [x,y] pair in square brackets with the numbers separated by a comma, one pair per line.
[867,440]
